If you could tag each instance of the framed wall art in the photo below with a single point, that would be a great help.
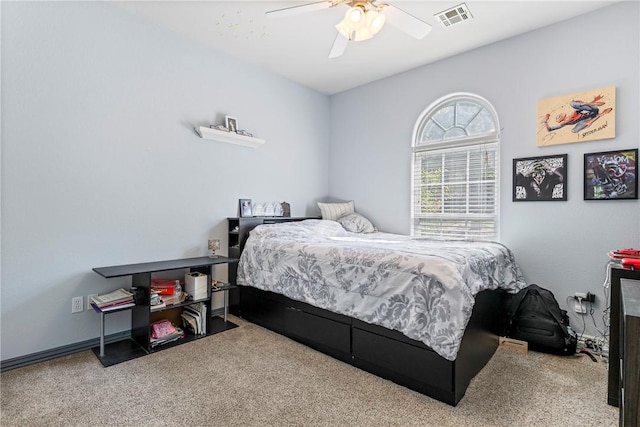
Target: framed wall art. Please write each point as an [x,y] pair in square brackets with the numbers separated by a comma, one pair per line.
[231,123]
[246,208]
[611,175]
[540,178]
[578,117]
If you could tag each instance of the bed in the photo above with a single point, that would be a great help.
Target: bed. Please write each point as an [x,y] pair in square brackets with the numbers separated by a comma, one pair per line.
[423,313]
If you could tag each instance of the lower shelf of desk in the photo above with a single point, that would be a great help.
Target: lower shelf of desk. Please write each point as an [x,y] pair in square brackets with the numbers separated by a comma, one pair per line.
[119,351]
[122,351]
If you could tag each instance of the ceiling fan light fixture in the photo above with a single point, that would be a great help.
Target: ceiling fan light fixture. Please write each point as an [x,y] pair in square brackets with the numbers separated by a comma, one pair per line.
[344,30]
[355,17]
[362,34]
[351,34]
[360,24]
[375,21]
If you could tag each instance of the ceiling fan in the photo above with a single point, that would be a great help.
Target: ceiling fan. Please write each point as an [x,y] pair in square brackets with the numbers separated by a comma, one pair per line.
[363,20]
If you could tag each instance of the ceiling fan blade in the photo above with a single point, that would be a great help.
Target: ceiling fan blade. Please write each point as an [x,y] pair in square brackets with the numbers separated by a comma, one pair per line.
[406,22]
[297,10]
[339,46]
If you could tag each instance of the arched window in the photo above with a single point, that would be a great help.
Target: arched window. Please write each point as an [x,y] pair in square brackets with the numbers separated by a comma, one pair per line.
[455,184]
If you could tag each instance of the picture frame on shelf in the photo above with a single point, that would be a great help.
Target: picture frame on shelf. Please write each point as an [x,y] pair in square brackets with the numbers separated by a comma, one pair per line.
[246,208]
[542,178]
[231,123]
[611,175]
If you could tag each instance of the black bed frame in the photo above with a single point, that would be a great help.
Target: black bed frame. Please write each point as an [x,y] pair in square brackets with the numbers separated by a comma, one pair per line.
[383,352]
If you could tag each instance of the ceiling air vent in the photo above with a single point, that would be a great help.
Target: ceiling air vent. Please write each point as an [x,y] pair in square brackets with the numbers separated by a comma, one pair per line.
[454,15]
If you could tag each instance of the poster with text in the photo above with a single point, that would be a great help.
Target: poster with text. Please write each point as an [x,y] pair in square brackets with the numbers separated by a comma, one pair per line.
[611,175]
[578,117]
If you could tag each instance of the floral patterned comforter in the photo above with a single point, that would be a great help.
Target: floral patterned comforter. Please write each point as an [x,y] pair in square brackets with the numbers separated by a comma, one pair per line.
[421,287]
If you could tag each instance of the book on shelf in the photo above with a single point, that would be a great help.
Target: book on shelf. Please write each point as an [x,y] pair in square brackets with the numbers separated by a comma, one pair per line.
[158,306]
[117,303]
[199,312]
[191,322]
[117,297]
[163,332]
[173,299]
[169,338]
[116,307]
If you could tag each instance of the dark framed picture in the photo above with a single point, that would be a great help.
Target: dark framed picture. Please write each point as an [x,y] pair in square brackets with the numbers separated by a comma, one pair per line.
[231,123]
[540,178]
[611,175]
[246,208]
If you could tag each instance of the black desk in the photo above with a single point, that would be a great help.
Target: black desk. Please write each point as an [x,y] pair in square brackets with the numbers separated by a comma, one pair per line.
[141,315]
[618,275]
[630,353]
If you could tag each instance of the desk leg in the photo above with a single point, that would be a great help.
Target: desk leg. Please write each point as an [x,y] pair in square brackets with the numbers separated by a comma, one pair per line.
[226,304]
[101,334]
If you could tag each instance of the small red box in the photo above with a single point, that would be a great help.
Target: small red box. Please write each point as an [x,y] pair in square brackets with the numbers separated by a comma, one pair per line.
[164,286]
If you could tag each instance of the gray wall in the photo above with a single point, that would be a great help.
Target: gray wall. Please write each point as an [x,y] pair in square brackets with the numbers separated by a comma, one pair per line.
[101,166]
[559,245]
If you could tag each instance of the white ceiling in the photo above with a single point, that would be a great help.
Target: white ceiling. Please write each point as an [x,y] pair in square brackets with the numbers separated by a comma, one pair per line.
[297,47]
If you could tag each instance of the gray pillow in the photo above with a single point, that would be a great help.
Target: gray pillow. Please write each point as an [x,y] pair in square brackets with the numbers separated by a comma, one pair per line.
[356,223]
[333,211]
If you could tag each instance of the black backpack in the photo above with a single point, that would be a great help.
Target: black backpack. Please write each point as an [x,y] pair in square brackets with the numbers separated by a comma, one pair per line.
[534,316]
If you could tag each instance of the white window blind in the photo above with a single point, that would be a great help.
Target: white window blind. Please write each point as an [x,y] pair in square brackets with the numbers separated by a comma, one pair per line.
[455,171]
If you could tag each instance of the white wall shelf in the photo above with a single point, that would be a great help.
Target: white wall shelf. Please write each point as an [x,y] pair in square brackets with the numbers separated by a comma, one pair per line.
[229,137]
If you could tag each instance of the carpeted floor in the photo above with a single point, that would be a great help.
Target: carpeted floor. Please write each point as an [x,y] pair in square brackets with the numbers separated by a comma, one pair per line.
[249,376]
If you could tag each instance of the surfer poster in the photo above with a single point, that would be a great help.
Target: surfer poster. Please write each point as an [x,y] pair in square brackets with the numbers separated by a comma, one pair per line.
[578,117]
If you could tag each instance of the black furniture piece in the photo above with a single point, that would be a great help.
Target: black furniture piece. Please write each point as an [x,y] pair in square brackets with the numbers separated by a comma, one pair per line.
[239,229]
[381,351]
[617,277]
[630,353]
[141,315]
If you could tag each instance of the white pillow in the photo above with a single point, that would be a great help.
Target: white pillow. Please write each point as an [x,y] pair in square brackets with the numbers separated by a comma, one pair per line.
[356,223]
[333,211]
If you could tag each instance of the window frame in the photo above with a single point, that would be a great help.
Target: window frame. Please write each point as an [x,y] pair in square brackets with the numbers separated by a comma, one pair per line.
[491,138]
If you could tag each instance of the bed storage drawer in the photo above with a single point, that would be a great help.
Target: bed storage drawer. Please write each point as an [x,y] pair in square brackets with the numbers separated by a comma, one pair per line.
[400,360]
[321,329]
[258,308]
[324,334]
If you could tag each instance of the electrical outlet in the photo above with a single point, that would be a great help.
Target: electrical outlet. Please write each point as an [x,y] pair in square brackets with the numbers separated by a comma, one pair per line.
[584,297]
[579,307]
[77,304]
[89,307]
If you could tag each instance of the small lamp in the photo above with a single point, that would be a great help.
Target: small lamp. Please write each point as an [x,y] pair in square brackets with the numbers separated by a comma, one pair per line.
[213,245]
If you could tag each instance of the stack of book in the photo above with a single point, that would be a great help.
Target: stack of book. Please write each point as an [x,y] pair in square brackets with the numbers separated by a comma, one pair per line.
[163,332]
[115,300]
[194,318]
